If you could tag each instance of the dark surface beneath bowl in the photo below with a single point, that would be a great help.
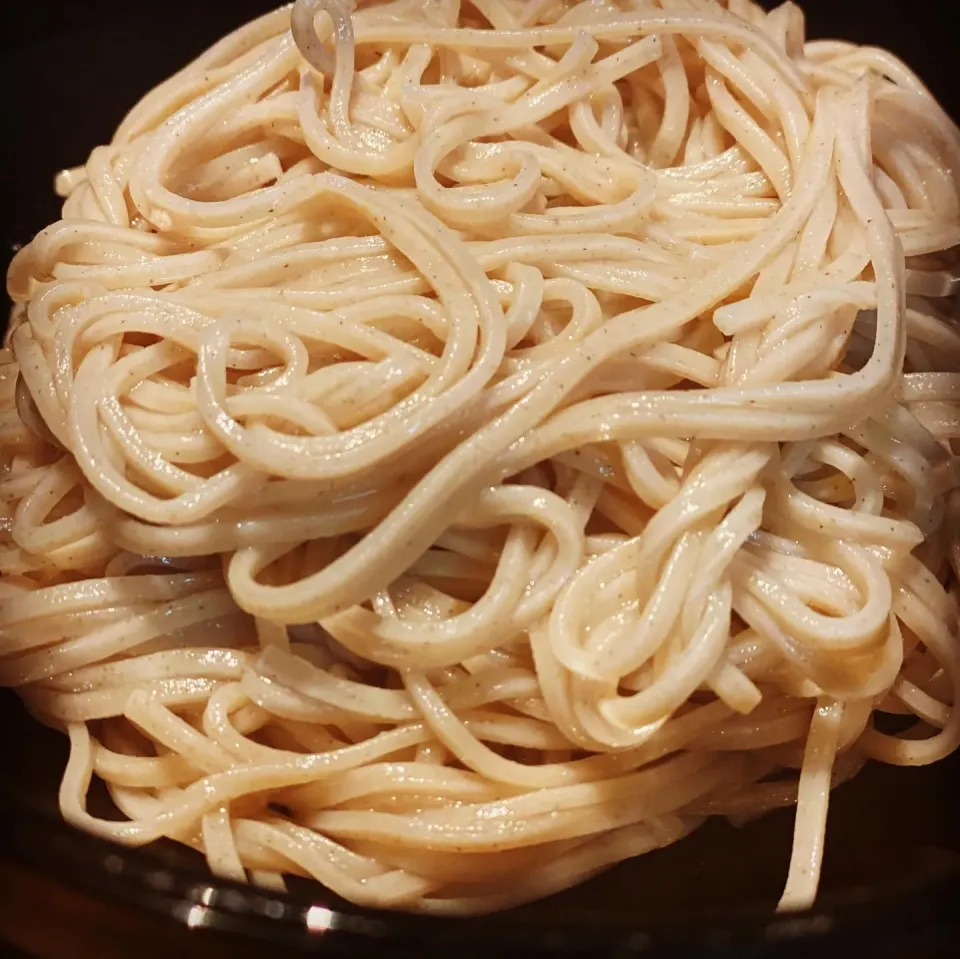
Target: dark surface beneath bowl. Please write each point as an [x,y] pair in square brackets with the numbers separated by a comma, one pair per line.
[892,867]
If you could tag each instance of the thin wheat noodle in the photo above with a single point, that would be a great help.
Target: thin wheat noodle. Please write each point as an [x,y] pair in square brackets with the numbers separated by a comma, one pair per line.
[441,441]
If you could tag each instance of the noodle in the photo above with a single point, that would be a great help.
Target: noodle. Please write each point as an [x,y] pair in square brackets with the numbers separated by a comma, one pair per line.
[448,439]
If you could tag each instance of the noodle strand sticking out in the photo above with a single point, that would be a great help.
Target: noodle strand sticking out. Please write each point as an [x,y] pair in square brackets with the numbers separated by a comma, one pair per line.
[445,440]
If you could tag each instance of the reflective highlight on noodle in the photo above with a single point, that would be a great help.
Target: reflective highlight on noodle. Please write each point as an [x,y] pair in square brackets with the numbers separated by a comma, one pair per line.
[444,442]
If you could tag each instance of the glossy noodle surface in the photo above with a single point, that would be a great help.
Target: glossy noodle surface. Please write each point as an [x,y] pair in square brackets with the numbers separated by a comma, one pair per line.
[449,448]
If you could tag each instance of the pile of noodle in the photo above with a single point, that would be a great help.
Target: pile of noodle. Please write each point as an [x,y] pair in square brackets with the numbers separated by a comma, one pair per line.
[447,448]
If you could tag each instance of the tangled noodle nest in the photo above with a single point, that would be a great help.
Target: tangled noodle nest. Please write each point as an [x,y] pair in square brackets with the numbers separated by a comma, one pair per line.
[450,441]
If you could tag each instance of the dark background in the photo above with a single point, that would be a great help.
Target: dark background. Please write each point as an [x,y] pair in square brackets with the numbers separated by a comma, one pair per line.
[69,70]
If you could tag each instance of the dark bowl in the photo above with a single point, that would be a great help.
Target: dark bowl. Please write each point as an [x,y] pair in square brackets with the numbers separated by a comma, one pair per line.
[891,880]
[890,886]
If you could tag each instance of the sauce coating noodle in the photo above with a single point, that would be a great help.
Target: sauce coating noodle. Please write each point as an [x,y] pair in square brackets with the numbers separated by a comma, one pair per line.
[457,440]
